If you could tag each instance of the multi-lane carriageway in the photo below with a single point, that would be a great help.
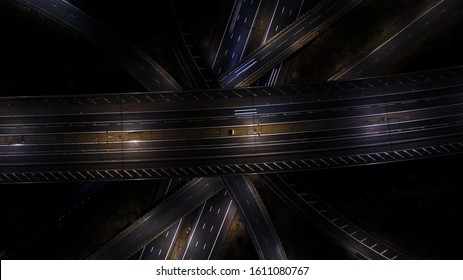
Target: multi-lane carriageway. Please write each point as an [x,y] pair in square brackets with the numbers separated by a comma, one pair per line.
[170,134]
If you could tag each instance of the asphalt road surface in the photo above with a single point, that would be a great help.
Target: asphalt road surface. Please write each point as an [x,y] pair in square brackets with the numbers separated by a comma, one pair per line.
[235,38]
[208,232]
[287,42]
[287,128]
[159,219]
[257,219]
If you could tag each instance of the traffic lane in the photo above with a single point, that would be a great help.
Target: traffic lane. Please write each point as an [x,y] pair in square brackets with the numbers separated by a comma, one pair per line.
[232,54]
[156,249]
[216,114]
[312,130]
[130,103]
[232,116]
[271,53]
[235,37]
[229,27]
[406,114]
[296,112]
[209,227]
[285,12]
[159,219]
[167,188]
[307,131]
[130,242]
[283,40]
[161,247]
[258,222]
[278,162]
[207,158]
[222,235]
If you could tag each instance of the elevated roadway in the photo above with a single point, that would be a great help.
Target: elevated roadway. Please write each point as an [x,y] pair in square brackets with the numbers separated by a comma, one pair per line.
[211,227]
[187,50]
[161,247]
[256,217]
[286,43]
[235,38]
[159,219]
[287,128]
[284,13]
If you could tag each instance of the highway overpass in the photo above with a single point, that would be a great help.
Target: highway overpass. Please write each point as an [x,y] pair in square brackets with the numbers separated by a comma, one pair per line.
[155,222]
[236,131]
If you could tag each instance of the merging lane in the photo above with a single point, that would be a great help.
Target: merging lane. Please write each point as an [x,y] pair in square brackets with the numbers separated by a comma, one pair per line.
[284,14]
[287,42]
[256,217]
[235,38]
[161,247]
[159,219]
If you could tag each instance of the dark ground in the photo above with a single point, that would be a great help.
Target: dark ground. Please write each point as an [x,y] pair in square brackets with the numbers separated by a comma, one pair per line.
[416,206]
